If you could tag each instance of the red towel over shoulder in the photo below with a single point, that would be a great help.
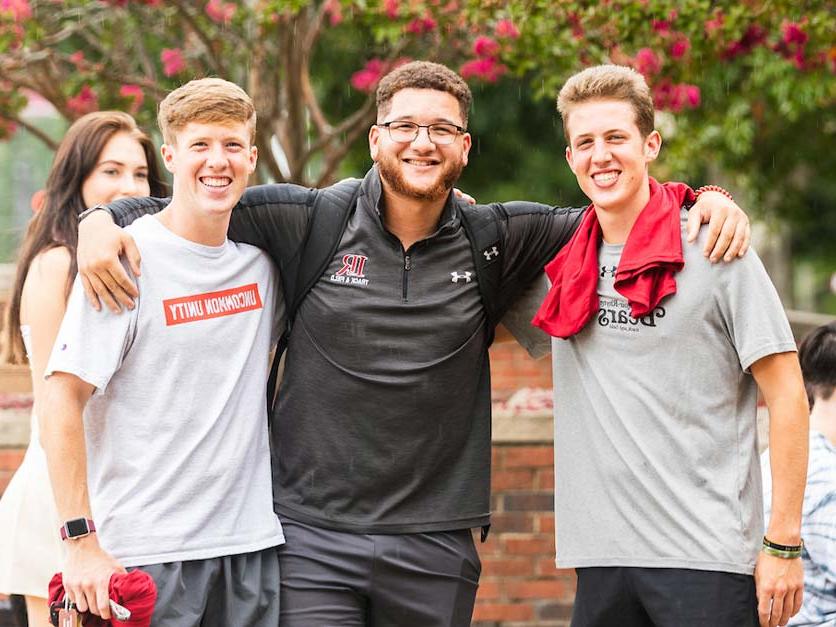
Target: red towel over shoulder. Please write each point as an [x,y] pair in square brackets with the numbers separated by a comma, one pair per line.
[135,590]
[652,256]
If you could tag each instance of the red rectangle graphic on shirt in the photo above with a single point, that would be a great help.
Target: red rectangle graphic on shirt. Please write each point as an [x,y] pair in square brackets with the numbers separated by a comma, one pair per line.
[212,304]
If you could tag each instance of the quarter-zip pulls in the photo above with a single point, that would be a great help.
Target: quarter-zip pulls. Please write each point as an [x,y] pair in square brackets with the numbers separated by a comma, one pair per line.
[407,266]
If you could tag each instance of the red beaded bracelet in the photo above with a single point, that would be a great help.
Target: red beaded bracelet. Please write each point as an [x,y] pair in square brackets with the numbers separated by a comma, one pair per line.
[713,188]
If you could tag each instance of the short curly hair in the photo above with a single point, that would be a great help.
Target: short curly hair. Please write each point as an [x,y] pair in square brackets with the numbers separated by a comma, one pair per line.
[608,82]
[423,75]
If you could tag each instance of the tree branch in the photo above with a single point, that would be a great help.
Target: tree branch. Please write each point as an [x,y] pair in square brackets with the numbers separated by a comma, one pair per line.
[317,116]
[335,157]
[34,130]
[219,67]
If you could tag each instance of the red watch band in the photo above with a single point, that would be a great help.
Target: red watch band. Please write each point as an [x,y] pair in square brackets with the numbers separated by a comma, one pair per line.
[68,533]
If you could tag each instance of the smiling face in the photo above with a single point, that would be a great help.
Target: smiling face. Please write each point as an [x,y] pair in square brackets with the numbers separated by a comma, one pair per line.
[211,164]
[419,169]
[608,154]
[121,171]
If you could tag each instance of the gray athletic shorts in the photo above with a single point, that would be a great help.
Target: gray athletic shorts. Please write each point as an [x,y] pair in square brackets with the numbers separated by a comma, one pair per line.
[231,591]
[337,579]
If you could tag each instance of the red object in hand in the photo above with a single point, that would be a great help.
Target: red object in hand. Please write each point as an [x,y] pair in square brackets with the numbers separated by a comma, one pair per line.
[135,590]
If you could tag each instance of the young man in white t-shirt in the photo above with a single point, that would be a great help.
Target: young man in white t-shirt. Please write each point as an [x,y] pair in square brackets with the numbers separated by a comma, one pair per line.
[177,477]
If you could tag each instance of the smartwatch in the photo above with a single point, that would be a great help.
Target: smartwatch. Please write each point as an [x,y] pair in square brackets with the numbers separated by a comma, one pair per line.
[77,528]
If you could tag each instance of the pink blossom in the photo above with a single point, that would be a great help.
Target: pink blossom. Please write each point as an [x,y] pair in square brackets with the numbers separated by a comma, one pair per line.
[421,25]
[220,11]
[78,60]
[692,95]
[366,80]
[647,62]
[134,92]
[506,29]
[173,62]
[84,102]
[334,10]
[19,10]
[662,94]
[486,69]
[7,129]
[391,8]
[577,27]
[715,23]
[754,36]
[485,47]
[793,34]
[676,97]
[450,7]
[680,47]
[663,27]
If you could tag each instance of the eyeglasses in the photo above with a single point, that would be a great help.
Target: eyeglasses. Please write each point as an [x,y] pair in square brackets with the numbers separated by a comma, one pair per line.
[440,133]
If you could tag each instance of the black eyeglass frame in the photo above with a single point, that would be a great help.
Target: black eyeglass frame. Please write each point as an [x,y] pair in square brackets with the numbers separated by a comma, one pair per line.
[418,127]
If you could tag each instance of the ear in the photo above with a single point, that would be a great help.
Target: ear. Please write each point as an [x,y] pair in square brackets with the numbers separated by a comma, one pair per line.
[167,152]
[467,142]
[374,141]
[570,159]
[652,146]
[253,158]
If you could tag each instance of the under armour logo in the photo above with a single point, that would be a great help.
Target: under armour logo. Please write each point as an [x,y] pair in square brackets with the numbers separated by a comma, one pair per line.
[490,254]
[456,276]
[608,271]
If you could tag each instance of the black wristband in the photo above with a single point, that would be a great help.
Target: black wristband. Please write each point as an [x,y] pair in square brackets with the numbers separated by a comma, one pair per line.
[782,547]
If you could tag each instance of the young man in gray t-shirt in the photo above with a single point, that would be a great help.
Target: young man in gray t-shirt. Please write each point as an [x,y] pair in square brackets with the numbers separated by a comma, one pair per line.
[660,356]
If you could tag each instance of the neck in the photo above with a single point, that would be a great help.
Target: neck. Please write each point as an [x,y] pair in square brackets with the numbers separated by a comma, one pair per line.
[410,219]
[206,230]
[617,221]
[823,417]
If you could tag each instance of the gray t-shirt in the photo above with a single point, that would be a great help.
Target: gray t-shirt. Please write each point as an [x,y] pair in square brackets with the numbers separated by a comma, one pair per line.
[180,470]
[656,458]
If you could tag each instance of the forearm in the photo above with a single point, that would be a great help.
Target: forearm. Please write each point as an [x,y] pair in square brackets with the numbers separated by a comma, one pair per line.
[62,438]
[271,216]
[126,210]
[788,443]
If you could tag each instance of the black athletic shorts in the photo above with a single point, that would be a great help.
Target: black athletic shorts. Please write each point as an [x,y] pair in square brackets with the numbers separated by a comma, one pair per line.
[664,597]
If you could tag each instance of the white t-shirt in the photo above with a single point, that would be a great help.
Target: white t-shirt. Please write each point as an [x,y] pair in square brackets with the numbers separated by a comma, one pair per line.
[176,432]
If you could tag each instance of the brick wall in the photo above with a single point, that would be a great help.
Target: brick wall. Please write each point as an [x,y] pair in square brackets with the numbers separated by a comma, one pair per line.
[512,369]
[520,584]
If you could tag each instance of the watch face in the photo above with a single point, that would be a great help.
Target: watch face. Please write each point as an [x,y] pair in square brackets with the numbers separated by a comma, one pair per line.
[77,527]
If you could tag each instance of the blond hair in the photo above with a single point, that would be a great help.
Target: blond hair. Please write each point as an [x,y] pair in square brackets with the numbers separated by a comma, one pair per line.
[610,82]
[207,101]
[423,75]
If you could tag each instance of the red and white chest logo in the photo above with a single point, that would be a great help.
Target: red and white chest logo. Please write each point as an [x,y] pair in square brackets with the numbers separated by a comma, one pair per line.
[353,270]
[212,304]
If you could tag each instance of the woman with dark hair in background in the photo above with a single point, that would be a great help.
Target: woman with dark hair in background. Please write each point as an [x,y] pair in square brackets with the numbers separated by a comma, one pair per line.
[104,156]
